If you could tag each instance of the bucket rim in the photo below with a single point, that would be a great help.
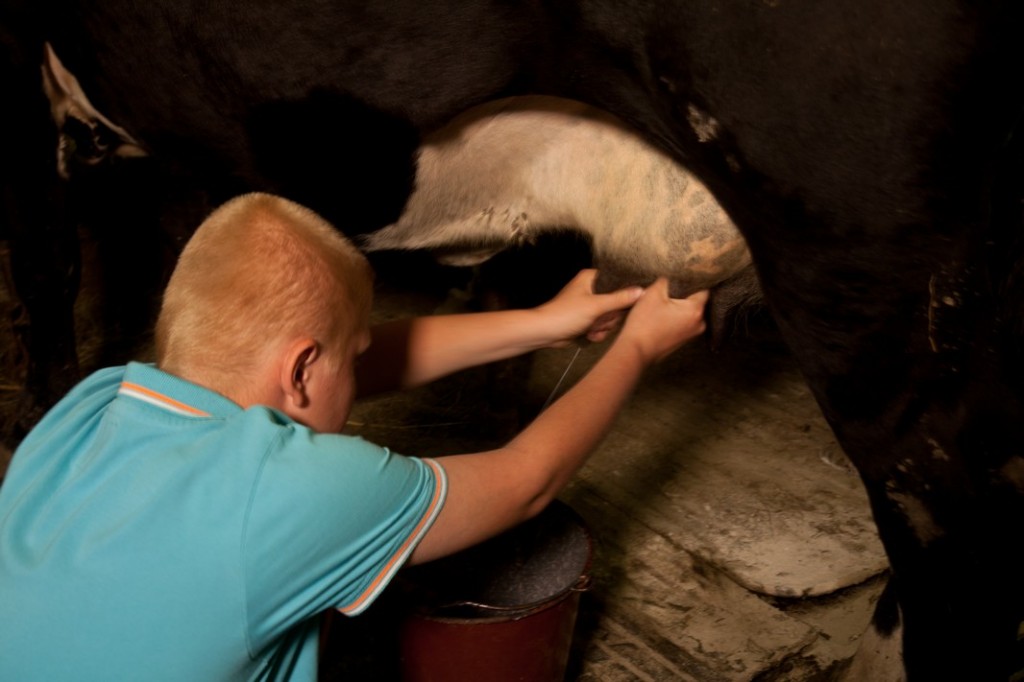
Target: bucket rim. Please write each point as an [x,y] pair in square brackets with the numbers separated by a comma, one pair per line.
[493,613]
[508,615]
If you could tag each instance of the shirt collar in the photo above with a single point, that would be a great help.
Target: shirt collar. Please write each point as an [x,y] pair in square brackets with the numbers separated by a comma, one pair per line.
[148,384]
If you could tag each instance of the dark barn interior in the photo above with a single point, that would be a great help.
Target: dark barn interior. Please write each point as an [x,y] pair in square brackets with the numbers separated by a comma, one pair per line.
[868,157]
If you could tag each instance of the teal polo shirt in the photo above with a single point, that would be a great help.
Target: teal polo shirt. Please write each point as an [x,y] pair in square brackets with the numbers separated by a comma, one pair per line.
[151,529]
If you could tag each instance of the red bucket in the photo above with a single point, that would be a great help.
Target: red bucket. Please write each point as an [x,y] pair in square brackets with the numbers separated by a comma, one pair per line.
[503,610]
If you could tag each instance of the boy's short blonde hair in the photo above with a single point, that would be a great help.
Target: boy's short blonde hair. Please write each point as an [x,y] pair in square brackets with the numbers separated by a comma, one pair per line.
[260,270]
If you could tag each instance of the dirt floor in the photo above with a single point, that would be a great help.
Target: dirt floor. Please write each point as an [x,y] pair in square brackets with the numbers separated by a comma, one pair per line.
[731,539]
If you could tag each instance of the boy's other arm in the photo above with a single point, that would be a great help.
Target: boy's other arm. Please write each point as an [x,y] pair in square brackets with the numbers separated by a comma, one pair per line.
[412,352]
[491,491]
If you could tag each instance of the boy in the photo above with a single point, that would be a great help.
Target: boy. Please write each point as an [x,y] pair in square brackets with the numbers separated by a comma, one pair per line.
[189,521]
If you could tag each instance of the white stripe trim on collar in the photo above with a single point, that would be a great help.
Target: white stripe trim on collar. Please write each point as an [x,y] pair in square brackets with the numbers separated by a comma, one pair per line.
[154,398]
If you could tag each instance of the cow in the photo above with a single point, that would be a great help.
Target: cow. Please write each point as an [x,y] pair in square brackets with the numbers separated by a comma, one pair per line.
[870,153]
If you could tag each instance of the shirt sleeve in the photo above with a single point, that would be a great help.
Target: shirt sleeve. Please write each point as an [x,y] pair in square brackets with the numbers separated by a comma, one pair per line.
[331,520]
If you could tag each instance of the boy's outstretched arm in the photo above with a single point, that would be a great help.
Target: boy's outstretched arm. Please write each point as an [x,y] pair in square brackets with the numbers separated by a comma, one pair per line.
[406,353]
[491,491]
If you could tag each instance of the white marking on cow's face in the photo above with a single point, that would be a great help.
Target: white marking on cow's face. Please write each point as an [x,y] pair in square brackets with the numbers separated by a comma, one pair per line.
[703,124]
[68,100]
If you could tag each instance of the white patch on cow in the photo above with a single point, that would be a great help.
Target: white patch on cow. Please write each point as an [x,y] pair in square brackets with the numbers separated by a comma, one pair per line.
[68,100]
[502,172]
[703,124]
[918,516]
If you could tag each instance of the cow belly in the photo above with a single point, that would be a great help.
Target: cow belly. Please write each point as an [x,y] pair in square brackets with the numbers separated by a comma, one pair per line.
[503,172]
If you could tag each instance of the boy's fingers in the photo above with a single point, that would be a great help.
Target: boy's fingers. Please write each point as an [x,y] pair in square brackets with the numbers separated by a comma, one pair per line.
[620,298]
[699,297]
[608,320]
[626,297]
[623,298]
[662,284]
[583,281]
[661,287]
[587,276]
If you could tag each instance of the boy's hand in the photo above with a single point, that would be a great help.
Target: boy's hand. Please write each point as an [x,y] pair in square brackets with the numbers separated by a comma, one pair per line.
[576,310]
[658,324]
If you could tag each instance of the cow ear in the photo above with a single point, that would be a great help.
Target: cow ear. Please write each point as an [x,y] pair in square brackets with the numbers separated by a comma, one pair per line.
[78,122]
[58,84]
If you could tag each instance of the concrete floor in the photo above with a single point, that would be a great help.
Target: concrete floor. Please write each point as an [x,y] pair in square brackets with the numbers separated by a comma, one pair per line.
[731,539]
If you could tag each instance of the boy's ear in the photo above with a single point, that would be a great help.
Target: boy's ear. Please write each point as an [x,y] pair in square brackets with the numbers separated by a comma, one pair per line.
[295,369]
